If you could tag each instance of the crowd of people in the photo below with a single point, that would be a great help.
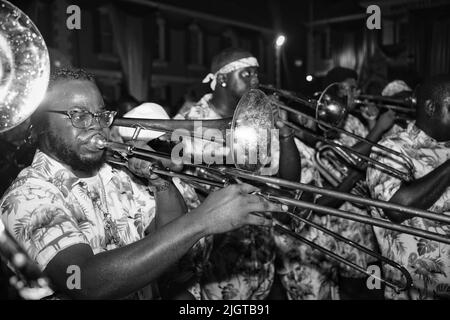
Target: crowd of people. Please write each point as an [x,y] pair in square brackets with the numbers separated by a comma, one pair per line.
[136,234]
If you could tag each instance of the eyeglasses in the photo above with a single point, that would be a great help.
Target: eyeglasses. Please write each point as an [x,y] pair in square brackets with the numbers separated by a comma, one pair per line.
[83,119]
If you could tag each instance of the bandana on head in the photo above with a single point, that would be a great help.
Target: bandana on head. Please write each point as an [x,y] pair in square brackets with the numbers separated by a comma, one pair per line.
[395,87]
[230,67]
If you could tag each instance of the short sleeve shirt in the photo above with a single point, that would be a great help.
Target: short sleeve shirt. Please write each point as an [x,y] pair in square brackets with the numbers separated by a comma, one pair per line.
[427,261]
[246,272]
[48,209]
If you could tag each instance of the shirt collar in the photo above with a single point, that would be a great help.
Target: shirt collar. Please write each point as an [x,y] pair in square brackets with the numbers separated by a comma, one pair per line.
[52,169]
[420,138]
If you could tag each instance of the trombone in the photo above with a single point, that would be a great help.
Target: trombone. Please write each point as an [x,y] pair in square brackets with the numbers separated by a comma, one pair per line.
[404,108]
[222,176]
[228,175]
[328,115]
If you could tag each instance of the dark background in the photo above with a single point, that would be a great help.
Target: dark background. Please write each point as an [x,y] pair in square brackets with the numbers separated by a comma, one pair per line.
[159,51]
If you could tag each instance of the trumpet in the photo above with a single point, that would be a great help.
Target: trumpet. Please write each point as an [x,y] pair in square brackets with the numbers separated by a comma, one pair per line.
[229,175]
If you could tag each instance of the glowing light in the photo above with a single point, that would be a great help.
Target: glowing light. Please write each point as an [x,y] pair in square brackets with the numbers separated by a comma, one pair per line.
[281,39]
[309,78]
[246,136]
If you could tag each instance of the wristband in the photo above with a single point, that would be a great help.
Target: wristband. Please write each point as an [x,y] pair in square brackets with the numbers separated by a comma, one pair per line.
[160,187]
[287,136]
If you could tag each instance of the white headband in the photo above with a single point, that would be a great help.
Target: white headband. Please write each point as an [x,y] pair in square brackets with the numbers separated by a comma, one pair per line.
[232,66]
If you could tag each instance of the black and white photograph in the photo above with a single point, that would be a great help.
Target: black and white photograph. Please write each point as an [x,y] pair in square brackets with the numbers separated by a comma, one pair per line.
[242,151]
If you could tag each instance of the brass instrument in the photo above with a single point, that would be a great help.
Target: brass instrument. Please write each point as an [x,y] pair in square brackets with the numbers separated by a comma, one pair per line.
[24,67]
[334,156]
[24,76]
[404,108]
[403,105]
[229,175]
[329,106]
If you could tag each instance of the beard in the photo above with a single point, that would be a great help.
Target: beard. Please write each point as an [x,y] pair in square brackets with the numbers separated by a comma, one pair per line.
[72,158]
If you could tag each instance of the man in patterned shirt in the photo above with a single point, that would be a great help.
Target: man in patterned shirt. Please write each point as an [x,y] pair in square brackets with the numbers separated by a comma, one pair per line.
[241,263]
[352,284]
[306,273]
[426,143]
[72,212]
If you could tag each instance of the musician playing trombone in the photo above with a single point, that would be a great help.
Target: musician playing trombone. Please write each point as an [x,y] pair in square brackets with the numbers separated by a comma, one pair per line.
[425,142]
[95,230]
[241,263]
[307,274]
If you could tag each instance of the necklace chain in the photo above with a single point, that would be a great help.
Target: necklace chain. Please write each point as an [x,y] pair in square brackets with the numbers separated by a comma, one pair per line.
[111,231]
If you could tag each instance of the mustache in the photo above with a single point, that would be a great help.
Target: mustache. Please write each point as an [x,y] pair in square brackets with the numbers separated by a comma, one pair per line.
[88,137]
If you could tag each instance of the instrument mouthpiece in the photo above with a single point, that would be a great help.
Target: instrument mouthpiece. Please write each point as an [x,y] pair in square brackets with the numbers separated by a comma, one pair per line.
[99,141]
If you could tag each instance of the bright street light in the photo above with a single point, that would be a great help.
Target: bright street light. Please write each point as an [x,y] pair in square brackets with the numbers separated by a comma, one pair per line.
[280,41]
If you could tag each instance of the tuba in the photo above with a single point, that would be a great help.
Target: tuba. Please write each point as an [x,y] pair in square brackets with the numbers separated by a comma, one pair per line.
[24,67]
[24,77]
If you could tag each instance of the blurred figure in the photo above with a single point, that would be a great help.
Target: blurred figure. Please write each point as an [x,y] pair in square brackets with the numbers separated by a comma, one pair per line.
[241,264]
[17,153]
[425,142]
[125,103]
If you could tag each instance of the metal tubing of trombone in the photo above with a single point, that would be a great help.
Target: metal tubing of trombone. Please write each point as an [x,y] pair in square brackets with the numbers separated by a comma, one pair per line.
[171,125]
[340,130]
[343,214]
[186,177]
[397,173]
[396,103]
[307,102]
[342,260]
[363,219]
[192,178]
[390,107]
[190,128]
[339,195]
[362,248]
[131,150]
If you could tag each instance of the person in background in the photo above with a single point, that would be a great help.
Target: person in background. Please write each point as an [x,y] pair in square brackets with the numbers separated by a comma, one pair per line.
[426,143]
[241,263]
[70,208]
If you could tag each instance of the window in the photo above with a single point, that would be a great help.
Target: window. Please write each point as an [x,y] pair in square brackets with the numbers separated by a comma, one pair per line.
[229,39]
[262,53]
[195,46]
[160,40]
[105,44]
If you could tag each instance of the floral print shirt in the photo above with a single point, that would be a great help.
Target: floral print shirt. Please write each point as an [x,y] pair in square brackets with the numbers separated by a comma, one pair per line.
[427,261]
[307,274]
[238,265]
[356,231]
[49,209]
[200,110]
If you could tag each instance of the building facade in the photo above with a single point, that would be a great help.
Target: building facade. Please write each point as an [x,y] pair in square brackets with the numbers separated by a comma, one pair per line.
[157,53]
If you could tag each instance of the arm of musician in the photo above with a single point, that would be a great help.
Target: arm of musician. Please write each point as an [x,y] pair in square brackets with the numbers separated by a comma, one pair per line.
[421,193]
[346,186]
[169,202]
[384,123]
[122,271]
[290,161]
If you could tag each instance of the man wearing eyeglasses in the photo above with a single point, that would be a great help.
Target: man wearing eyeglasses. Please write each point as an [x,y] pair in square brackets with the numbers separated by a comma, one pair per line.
[95,230]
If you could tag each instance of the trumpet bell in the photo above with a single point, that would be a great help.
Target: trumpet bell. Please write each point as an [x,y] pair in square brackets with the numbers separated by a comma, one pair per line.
[24,66]
[251,131]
